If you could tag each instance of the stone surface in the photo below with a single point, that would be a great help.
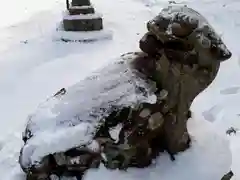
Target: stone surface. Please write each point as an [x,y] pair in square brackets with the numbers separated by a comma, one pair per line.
[80,3]
[81,16]
[83,24]
[228,176]
[150,45]
[81,10]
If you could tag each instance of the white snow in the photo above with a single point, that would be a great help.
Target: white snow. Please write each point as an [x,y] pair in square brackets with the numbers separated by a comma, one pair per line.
[33,67]
[73,117]
[73,36]
[80,7]
[203,161]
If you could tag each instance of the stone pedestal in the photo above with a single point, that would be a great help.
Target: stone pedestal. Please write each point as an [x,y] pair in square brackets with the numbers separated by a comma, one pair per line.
[80,3]
[83,24]
[81,16]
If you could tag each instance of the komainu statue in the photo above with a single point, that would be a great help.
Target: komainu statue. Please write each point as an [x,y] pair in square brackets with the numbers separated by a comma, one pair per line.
[145,96]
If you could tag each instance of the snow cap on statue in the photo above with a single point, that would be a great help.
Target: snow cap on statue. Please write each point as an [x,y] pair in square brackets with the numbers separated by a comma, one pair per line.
[185,24]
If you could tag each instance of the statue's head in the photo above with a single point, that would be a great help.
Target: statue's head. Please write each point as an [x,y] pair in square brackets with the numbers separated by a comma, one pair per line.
[181,29]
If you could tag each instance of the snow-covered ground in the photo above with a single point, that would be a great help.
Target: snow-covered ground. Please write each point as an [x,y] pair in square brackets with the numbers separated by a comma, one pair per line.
[33,67]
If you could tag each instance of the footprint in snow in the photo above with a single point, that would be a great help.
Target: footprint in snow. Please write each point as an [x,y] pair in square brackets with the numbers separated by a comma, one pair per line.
[231,90]
[211,114]
[1,144]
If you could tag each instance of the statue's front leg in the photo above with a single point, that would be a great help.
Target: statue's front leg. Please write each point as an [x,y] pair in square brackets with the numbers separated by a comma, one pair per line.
[191,81]
[176,135]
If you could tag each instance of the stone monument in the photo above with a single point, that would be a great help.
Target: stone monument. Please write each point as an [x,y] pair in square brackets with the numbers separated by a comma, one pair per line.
[81,16]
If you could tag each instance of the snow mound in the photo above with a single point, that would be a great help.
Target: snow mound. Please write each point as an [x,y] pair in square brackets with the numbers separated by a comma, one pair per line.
[209,158]
[74,117]
[235,148]
[81,36]
[228,117]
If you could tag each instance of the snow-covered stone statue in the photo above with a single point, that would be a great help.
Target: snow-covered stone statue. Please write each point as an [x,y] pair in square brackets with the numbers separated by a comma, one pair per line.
[146,94]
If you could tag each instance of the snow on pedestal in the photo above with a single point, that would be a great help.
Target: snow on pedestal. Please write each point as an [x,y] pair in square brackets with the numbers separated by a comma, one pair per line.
[81,36]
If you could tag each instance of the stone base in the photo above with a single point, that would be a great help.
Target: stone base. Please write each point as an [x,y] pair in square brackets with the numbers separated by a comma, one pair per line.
[88,22]
[80,36]
[80,3]
[76,10]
